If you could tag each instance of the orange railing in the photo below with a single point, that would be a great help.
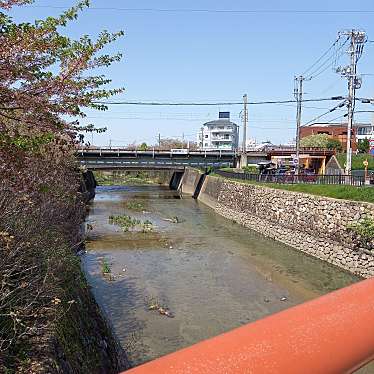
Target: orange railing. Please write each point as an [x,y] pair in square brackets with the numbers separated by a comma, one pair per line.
[331,334]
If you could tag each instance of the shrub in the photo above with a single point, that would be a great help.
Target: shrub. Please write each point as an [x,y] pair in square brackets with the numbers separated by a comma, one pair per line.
[364,229]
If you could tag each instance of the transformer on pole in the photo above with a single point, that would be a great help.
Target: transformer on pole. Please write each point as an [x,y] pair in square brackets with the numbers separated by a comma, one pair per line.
[357,40]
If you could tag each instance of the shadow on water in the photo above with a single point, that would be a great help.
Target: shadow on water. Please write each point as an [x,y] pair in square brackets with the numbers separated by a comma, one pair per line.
[212,274]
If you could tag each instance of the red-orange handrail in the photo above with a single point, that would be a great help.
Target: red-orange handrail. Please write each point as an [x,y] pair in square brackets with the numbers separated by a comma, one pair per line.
[331,334]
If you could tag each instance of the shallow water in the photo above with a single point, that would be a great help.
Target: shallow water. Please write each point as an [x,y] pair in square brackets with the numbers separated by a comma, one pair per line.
[213,275]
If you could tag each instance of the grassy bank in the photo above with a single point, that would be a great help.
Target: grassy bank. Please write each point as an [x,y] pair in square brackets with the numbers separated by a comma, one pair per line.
[50,322]
[365,194]
[357,161]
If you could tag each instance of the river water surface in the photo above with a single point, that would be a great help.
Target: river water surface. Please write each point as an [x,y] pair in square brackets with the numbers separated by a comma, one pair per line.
[213,275]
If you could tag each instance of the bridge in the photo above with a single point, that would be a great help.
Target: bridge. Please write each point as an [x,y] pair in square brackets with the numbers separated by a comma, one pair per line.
[119,158]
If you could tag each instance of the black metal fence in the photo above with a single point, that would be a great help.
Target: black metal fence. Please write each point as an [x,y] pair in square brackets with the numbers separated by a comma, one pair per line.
[352,180]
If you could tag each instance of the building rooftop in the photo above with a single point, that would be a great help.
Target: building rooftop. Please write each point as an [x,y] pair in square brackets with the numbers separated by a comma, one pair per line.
[220,122]
[328,124]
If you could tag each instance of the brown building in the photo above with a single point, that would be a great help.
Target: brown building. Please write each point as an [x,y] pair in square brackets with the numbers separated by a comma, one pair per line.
[333,130]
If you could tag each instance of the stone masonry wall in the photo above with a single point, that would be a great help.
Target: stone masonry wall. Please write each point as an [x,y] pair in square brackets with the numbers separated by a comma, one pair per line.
[313,224]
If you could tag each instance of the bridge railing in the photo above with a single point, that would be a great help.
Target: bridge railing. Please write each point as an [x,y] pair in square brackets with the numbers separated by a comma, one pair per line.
[331,334]
[353,180]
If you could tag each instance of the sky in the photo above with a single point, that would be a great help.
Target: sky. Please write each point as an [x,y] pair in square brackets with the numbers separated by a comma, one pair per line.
[198,56]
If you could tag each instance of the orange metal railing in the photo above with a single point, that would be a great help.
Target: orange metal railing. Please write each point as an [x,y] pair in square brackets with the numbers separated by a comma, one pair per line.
[331,334]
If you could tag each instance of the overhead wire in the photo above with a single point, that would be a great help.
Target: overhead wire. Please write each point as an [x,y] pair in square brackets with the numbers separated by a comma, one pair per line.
[233,11]
[323,55]
[144,103]
[328,62]
[326,113]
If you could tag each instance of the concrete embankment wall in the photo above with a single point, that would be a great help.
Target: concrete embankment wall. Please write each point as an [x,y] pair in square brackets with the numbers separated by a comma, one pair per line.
[190,181]
[315,225]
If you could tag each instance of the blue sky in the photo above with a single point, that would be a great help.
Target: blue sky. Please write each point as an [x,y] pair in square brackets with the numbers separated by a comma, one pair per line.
[214,57]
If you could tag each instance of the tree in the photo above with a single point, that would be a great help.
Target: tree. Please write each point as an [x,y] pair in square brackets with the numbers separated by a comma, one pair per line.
[45,79]
[317,141]
[334,144]
[363,146]
[172,143]
[143,147]
[321,141]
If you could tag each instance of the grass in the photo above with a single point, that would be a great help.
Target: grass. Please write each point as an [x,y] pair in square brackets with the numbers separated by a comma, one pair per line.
[135,205]
[365,194]
[126,223]
[357,161]
[105,267]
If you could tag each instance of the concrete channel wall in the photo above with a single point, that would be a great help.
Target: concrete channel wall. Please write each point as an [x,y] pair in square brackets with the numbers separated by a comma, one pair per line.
[315,225]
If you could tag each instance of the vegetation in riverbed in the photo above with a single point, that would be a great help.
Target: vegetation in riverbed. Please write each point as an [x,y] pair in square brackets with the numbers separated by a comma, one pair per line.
[135,205]
[105,267]
[125,222]
[147,226]
[128,223]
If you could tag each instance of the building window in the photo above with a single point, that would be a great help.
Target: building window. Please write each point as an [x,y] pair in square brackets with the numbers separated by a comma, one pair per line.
[206,144]
[206,136]
[364,131]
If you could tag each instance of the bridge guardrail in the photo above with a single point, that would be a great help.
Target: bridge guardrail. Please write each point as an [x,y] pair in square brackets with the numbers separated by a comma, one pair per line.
[353,180]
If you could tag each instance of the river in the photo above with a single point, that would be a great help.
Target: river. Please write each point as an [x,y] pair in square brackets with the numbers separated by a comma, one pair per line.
[211,274]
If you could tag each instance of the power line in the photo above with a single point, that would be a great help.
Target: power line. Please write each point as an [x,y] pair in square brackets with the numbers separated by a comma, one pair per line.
[336,118]
[257,120]
[324,114]
[233,11]
[323,55]
[329,62]
[144,103]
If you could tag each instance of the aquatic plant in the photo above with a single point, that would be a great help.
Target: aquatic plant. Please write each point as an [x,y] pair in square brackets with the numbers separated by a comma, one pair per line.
[125,222]
[135,205]
[147,226]
[105,267]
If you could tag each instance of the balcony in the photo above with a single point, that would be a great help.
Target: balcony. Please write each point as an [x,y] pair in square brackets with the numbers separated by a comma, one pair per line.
[221,138]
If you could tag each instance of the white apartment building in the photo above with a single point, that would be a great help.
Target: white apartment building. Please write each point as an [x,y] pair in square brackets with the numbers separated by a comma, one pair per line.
[364,130]
[221,134]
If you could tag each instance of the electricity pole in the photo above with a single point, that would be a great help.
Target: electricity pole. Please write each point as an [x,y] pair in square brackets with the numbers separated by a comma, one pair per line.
[298,92]
[357,41]
[243,157]
[159,141]
[245,121]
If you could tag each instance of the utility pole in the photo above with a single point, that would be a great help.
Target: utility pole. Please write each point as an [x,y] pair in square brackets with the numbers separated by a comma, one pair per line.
[159,141]
[245,120]
[357,41]
[298,92]
[202,138]
[110,143]
[243,157]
